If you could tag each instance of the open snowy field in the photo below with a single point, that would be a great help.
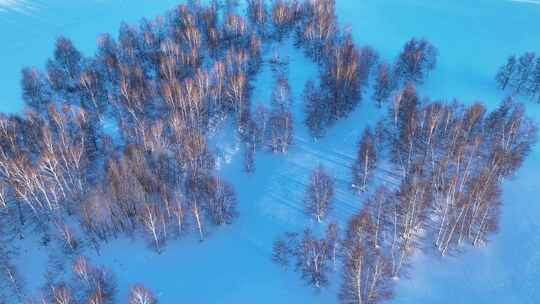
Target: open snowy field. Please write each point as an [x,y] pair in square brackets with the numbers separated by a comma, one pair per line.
[234,265]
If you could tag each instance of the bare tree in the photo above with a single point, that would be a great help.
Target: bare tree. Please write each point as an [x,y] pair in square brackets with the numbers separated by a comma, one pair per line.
[107,56]
[258,15]
[319,194]
[333,241]
[221,201]
[153,220]
[64,69]
[342,77]
[316,110]
[93,97]
[279,131]
[36,93]
[404,125]
[138,294]
[318,29]
[284,249]
[279,65]
[62,294]
[366,161]
[312,260]
[506,72]
[416,60]
[378,207]
[282,18]
[367,60]
[524,69]
[366,274]
[279,127]
[67,236]
[196,212]
[383,84]
[281,253]
[408,217]
[98,284]
[534,82]
[11,281]
[195,197]
[281,95]
[96,298]
[235,30]
[251,142]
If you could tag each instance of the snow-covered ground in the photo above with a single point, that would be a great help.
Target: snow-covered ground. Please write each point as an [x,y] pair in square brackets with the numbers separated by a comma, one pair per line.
[233,265]
[20,6]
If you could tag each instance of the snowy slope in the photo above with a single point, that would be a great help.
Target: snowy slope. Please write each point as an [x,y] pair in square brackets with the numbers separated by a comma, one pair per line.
[233,265]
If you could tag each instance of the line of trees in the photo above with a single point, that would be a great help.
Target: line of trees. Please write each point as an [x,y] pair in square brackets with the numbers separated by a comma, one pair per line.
[412,66]
[521,75]
[85,283]
[345,73]
[450,161]
[89,284]
[461,154]
[271,128]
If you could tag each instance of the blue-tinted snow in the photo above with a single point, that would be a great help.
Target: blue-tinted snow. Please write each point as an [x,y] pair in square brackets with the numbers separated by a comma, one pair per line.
[233,265]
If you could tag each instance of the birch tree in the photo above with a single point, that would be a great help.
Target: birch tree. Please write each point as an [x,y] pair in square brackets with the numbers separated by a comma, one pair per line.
[138,294]
[319,194]
[312,260]
[366,269]
[506,72]
[366,161]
